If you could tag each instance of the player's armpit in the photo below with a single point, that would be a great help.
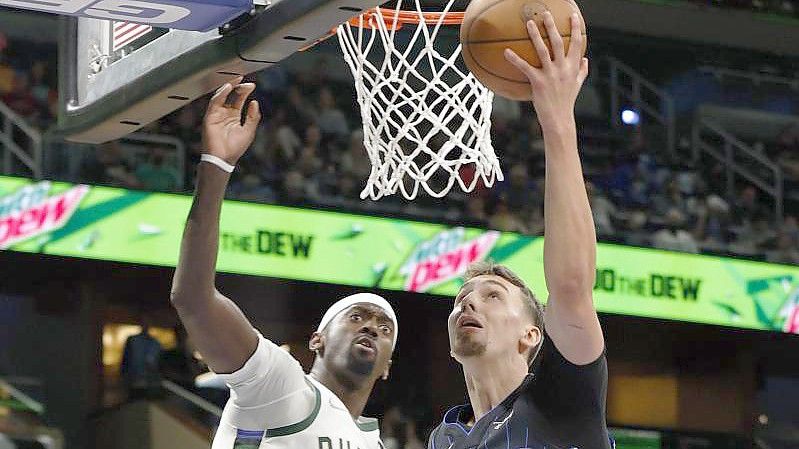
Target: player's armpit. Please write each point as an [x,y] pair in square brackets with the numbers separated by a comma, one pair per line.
[574,329]
[222,334]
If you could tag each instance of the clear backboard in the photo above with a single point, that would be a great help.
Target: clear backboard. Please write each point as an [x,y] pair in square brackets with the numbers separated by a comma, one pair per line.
[116,77]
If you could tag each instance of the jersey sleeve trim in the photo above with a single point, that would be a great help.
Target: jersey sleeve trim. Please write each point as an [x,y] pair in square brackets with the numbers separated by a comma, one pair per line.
[367,424]
[302,425]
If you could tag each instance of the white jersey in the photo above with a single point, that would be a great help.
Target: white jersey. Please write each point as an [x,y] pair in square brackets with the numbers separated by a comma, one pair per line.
[274,405]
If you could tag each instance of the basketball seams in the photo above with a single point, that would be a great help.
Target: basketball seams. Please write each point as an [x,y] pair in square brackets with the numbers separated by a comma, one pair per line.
[496,41]
[486,70]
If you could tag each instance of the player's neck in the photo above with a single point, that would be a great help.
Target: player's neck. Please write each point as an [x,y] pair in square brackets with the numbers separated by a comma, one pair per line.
[489,382]
[354,398]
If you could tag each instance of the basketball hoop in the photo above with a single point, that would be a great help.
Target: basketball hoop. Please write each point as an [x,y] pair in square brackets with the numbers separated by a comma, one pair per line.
[425,120]
[394,19]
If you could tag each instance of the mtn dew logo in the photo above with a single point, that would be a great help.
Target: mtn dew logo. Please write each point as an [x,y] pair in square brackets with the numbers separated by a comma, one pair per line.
[790,314]
[776,302]
[30,211]
[445,257]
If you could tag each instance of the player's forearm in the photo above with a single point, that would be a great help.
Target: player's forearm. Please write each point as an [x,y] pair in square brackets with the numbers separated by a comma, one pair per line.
[570,237]
[194,278]
[218,328]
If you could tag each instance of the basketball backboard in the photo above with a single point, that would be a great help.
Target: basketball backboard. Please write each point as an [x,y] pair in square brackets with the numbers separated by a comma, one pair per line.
[112,84]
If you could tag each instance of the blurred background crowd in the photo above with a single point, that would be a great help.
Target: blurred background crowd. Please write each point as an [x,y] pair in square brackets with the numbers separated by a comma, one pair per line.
[646,188]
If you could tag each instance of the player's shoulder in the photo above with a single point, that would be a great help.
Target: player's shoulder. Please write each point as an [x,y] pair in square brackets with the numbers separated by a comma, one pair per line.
[268,362]
[551,362]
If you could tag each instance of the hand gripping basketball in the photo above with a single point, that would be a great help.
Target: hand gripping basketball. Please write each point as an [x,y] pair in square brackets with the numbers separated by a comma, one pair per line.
[224,136]
[557,83]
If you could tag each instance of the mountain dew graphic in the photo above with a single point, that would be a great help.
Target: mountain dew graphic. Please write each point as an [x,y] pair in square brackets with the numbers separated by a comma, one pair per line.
[31,211]
[790,313]
[776,302]
[444,257]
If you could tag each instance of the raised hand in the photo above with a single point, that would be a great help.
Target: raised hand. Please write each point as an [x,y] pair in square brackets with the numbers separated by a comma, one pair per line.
[224,136]
[557,83]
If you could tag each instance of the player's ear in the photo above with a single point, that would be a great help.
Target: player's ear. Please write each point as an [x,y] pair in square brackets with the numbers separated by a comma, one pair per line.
[388,368]
[317,343]
[530,339]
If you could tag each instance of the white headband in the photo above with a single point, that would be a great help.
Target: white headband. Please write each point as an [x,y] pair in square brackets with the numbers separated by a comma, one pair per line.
[369,298]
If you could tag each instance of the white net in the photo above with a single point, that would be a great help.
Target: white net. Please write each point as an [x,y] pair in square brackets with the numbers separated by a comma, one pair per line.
[426,120]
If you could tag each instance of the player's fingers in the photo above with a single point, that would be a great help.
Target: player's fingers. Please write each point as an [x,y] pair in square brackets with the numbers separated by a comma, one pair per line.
[555,40]
[519,63]
[253,117]
[538,43]
[583,74]
[241,94]
[577,39]
[220,96]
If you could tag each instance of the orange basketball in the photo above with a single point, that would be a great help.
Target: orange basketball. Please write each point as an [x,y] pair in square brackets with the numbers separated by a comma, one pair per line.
[491,26]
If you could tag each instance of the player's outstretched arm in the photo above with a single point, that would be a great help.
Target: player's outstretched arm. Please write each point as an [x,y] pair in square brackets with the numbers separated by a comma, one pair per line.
[570,239]
[222,333]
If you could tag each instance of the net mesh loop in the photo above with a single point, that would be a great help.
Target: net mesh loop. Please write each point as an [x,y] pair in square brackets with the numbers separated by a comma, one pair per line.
[426,122]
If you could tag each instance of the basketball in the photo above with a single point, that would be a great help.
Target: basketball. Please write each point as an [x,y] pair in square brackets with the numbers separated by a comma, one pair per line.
[491,26]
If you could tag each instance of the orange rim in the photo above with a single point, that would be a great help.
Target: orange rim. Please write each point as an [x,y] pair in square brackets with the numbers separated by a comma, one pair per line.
[403,17]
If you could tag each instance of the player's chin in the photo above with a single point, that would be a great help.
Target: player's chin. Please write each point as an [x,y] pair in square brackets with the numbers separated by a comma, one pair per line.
[361,364]
[468,346]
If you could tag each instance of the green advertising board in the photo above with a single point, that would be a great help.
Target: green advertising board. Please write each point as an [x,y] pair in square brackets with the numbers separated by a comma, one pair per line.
[264,240]
[636,439]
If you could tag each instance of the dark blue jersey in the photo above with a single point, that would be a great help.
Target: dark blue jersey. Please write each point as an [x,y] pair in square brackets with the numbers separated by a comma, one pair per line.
[559,405]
